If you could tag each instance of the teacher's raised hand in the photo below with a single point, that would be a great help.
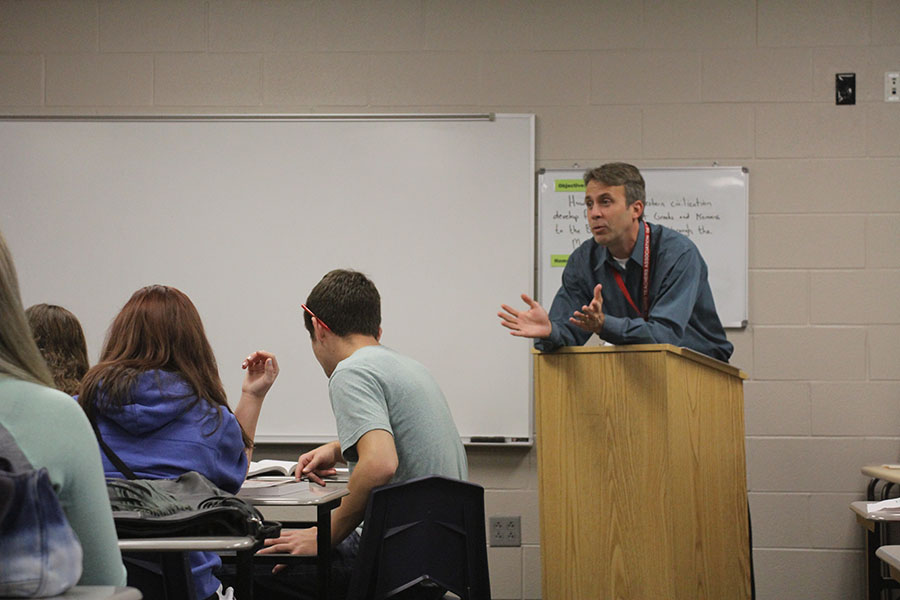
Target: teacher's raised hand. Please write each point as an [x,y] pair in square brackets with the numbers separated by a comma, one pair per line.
[531,323]
[590,317]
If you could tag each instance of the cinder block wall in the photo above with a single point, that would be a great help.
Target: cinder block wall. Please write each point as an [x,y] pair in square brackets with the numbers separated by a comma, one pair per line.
[667,82]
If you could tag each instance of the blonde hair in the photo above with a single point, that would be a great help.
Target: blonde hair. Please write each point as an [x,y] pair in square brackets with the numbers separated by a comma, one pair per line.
[19,355]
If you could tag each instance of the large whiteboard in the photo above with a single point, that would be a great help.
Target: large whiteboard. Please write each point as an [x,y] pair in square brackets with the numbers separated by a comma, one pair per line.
[708,204]
[246,215]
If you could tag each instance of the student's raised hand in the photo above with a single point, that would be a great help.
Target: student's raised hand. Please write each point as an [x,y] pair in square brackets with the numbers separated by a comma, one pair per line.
[531,323]
[262,370]
[590,317]
[292,541]
[317,463]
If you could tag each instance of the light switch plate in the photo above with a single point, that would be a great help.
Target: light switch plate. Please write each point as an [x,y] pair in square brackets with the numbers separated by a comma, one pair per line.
[845,88]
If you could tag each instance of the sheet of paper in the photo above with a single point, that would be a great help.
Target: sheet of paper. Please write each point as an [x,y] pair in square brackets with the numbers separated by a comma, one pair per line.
[892,505]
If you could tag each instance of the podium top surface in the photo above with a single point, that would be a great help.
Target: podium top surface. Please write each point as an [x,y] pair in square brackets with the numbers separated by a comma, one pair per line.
[684,352]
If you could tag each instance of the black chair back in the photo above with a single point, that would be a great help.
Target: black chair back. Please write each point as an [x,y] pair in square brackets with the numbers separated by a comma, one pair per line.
[420,538]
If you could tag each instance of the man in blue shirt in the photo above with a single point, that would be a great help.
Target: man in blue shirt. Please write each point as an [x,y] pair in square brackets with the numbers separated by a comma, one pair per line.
[632,283]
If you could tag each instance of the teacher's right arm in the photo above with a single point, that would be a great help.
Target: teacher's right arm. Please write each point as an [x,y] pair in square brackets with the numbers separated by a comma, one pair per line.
[553,330]
[573,294]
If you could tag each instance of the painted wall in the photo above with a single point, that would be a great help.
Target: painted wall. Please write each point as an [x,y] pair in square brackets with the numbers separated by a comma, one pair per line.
[679,82]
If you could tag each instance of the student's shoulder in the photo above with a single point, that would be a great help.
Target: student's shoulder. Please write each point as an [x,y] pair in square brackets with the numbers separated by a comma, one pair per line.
[27,402]
[350,369]
[371,366]
[379,361]
[365,359]
[37,395]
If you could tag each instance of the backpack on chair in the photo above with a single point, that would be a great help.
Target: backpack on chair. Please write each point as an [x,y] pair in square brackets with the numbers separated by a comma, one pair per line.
[41,554]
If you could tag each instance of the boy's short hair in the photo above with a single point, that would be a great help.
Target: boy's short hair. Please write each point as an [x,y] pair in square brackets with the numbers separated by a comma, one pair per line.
[347,302]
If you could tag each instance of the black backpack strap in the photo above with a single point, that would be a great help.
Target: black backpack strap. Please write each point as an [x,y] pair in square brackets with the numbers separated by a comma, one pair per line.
[13,455]
[112,456]
[12,463]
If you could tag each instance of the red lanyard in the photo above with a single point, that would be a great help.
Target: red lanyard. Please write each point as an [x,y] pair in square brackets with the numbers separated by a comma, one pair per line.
[645,279]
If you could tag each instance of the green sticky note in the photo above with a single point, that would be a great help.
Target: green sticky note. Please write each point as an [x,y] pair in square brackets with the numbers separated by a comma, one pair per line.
[558,260]
[569,185]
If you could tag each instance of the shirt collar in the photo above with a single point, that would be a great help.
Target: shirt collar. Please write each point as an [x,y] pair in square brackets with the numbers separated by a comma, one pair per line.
[637,253]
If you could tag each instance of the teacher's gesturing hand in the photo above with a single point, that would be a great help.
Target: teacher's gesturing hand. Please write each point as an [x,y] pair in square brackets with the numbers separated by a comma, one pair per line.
[590,317]
[531,323]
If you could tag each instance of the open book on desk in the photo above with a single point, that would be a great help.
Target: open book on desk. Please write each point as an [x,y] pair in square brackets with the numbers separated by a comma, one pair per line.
[287,468]
[271,467]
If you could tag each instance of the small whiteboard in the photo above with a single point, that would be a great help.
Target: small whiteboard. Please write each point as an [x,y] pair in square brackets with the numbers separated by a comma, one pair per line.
[707,204]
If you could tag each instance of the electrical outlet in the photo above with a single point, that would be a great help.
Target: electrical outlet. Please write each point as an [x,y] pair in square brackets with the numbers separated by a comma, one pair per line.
[506,531]
[892,87]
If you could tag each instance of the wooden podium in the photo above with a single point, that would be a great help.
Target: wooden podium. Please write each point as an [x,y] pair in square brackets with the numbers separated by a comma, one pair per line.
[643,487]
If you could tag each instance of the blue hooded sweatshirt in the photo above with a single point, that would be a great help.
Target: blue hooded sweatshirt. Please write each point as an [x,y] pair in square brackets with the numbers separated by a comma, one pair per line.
[160,436]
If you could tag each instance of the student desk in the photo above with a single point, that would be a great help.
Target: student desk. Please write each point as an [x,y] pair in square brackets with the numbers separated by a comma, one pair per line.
[242,546]
[882,480]
[888,478]
[874,524]
[287,509]
[100,592]
[891,556]
[296,508]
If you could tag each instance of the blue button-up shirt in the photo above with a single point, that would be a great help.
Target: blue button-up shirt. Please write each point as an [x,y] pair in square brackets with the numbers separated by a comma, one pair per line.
[682,311]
